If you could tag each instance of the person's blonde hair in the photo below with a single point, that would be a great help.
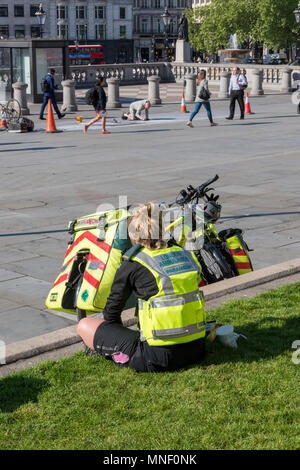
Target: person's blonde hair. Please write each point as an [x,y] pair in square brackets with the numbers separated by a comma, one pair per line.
[146,227]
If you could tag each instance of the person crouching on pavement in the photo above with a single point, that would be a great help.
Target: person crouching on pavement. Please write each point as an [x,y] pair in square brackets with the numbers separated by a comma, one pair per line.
[165,280]
[135,110]
[100,107]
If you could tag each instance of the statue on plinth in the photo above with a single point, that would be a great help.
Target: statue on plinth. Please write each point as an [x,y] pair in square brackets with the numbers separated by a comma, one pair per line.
[183,29]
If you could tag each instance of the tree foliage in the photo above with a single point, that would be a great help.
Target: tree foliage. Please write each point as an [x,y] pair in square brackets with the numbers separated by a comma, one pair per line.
[269,21]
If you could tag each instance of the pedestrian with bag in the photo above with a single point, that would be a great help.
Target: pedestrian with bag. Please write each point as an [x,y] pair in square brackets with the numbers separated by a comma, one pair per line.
[97,98]
[238,83]
[48,88]
[170,306]
[202,98]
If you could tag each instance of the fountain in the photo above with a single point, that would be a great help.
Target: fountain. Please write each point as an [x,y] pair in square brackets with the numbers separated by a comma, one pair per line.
[233,54]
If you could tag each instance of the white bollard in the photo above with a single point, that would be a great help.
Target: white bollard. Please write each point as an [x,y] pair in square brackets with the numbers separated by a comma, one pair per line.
[257,82]
[153,89]
[286,84]
[69,98]
[113,93]
[20,95]
[190,87]
[224,85]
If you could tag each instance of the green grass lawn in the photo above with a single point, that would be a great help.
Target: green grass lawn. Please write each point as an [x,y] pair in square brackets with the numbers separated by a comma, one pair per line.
[237,399]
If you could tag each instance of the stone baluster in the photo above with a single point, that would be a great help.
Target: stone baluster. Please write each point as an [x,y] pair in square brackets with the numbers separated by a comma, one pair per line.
[153,89]
[20,96]
[69,98]
[224,84]
[190,87]
[286,83]
[257,82]
[113,93]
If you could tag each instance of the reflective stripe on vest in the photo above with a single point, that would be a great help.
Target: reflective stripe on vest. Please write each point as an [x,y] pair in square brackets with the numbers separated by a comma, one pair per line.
[178,332]
[185,263]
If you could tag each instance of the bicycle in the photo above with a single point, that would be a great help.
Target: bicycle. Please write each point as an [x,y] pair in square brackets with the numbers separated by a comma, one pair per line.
[215,257]
[11,110]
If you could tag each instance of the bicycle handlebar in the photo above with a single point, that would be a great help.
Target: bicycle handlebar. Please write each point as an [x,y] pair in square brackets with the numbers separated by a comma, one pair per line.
[193,193]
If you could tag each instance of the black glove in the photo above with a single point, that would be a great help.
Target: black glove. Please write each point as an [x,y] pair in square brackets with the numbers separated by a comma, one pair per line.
[213,197]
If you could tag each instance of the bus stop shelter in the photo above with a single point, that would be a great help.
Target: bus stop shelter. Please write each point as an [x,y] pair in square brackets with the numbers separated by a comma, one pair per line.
[28,61]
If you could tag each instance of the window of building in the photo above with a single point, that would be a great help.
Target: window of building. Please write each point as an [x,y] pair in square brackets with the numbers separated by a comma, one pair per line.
[80,12]
[122,32]
[156,3]
[4,31]
[3,10]
[33,9]
[19,31]
[122,13]
[19,10]
[81,32]
[100,31]
[61,12]
[35,31]
[99,12]
[171,3]
[62,31]
[144,3]
[173,26]
[144,26]
[157,25]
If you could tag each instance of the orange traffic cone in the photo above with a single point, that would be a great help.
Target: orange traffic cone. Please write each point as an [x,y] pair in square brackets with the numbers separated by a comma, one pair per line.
[3,123]
[50,119]
[247,105]
[183,107]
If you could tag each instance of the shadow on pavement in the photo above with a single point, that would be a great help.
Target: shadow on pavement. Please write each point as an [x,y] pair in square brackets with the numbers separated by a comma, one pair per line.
[37,148]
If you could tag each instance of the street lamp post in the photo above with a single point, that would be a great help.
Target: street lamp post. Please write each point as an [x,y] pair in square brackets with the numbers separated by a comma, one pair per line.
[41,17]
[166,19]
[297,16]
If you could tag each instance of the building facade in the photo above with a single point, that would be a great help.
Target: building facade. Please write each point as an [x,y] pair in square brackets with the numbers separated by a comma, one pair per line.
[150,41]
[106,22]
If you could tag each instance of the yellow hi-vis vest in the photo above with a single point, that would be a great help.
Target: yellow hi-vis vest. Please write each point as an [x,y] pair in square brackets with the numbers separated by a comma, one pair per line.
[176,313]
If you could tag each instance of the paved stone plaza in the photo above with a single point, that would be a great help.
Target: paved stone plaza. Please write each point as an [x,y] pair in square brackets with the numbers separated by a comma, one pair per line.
[49,179]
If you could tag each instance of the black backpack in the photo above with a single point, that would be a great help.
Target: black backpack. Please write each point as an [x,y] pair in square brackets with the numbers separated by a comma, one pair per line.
[92,97]
[44,85]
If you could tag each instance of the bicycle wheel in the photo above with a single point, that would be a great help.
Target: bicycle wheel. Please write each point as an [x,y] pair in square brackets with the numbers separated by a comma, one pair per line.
[13,110]
[222,262]
[211,271]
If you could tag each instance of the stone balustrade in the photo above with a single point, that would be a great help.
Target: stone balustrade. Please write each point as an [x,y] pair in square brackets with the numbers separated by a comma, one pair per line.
[260,77]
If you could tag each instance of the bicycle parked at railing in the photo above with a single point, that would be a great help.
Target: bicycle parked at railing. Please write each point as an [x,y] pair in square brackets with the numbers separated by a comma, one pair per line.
[11,111]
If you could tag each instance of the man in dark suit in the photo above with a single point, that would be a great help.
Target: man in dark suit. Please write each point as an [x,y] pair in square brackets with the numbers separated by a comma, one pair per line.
[50,93]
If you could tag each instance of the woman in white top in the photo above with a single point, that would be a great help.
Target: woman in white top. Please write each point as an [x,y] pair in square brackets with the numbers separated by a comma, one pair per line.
[202,98]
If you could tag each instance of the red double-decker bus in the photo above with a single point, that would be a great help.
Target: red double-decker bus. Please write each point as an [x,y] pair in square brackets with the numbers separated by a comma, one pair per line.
[86,55]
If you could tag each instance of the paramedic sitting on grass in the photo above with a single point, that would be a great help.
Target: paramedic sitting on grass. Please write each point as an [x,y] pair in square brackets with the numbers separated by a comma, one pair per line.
[165,280]
[135,110]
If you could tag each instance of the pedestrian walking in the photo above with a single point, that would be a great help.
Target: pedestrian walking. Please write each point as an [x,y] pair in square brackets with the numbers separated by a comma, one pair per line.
[238,83]
[135,110]
[202,98]
[48,88]
[100,106]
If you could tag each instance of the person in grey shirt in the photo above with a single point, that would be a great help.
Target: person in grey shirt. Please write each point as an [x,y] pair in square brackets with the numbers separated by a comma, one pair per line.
[135,110]
[202,98]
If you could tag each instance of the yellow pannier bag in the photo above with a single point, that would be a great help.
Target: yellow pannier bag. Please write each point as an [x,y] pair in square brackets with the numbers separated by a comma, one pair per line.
[238,250]
[90,263]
